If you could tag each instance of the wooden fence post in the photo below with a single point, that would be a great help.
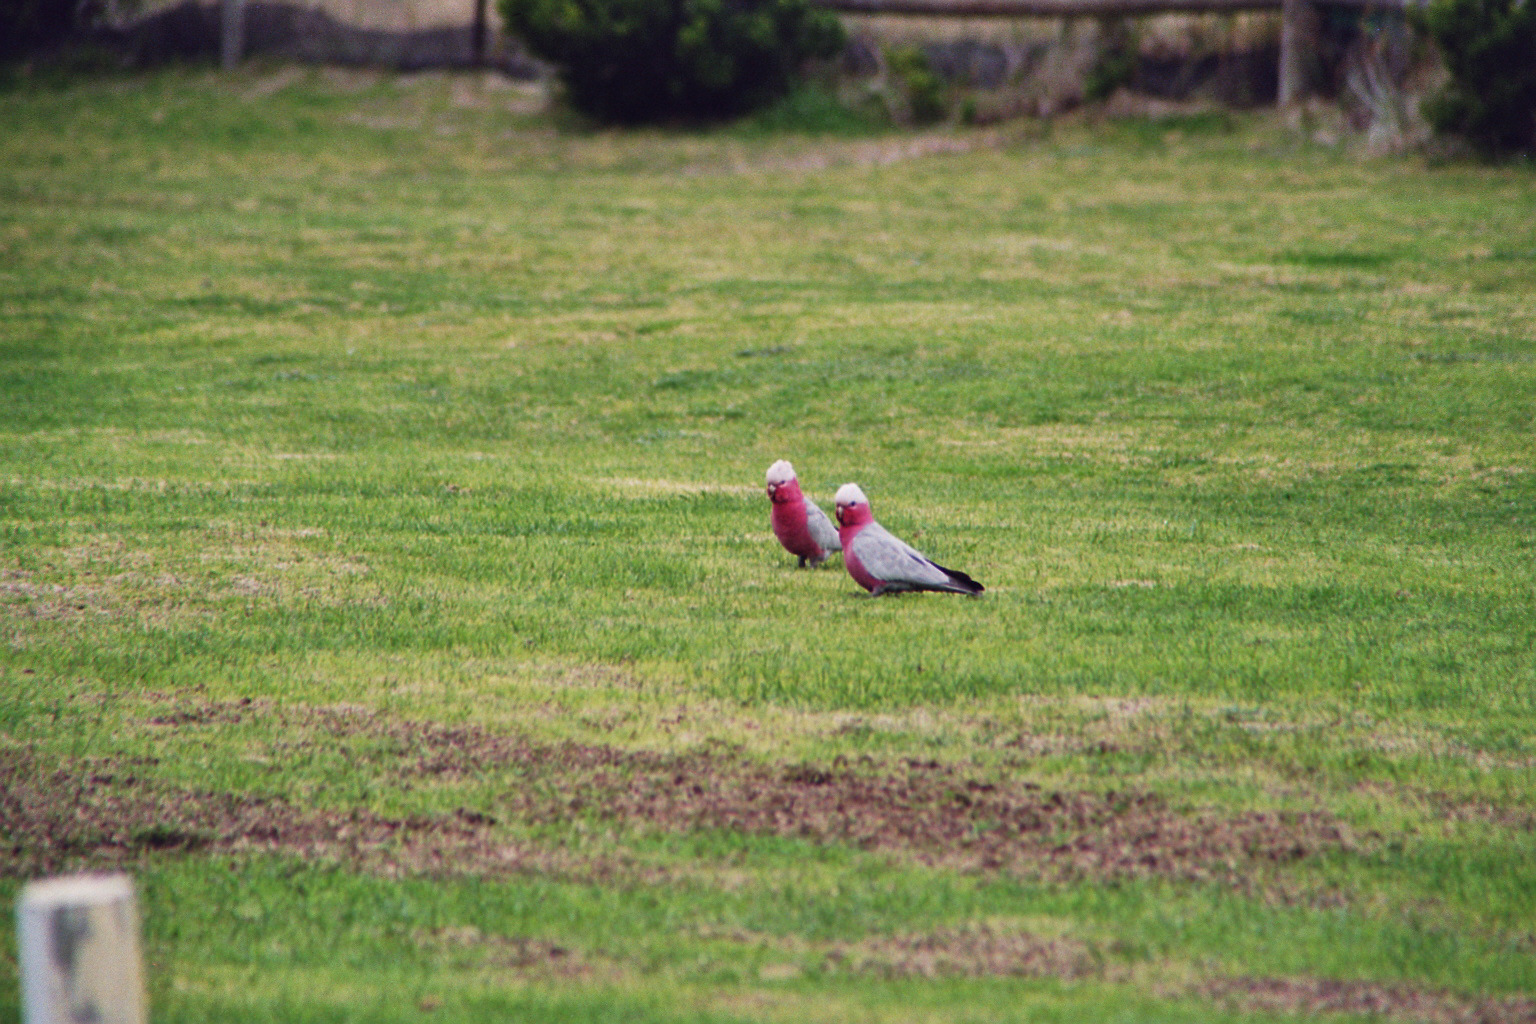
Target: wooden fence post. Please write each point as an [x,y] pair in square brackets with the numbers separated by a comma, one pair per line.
[1298,50]
[231,33]
[78,943]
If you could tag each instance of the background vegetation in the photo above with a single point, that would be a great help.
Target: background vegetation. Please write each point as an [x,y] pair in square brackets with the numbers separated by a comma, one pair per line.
[632,61]
[1489,51]
[386,578]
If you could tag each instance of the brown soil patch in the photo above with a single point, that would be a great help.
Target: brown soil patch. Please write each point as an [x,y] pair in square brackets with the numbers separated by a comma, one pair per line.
[101,813]
[935,813]
[938,815]
[1309,996]
[105,812]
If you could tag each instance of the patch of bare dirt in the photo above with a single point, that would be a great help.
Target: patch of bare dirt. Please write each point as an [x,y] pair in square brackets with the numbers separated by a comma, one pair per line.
[935,813]
[102,813]
[207,712]
[1310,996]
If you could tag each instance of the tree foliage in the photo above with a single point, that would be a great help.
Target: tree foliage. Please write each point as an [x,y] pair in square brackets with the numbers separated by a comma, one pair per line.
[629,61]
[1489,48]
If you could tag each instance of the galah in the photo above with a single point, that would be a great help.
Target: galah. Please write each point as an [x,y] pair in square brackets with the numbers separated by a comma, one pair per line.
[801,526]
[879,562]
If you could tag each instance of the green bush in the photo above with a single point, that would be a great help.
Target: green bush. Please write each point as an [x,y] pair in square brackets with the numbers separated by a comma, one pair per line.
[1489,48]
[922,89]
[630,61]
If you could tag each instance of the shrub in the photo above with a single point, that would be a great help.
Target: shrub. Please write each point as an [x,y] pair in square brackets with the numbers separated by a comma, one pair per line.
[630,61]
[922,90]
[1489,48]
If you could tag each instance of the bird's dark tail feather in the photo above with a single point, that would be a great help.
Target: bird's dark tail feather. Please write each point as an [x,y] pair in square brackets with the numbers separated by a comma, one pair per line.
[963,583]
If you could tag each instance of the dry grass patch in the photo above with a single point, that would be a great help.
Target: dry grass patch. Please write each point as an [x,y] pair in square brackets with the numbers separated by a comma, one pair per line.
[526,956]
[857,154]
[976,951]
[630,487]
[24,599]
[1450,810]
[99,579]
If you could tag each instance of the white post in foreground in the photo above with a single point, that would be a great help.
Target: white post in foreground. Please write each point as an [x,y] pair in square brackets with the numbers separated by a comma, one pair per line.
[78,940]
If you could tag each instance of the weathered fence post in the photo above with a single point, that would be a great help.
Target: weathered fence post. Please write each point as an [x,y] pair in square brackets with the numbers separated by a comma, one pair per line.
[231,32]
[78,943]
[1298,49]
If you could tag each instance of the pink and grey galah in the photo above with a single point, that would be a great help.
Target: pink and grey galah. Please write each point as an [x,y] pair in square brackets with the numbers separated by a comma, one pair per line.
[879,562]
[801,526]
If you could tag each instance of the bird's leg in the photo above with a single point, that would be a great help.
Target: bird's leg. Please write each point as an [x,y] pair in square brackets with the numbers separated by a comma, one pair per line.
[802,562]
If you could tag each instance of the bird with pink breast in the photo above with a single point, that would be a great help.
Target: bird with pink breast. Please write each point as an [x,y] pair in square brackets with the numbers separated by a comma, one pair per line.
[799,523]
[877,560]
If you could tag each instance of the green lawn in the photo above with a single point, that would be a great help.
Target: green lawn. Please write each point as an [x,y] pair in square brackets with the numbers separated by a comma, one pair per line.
[386,580]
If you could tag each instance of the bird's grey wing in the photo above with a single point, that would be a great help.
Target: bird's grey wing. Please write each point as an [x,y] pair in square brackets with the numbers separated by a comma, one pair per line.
[822,530]
[886,558]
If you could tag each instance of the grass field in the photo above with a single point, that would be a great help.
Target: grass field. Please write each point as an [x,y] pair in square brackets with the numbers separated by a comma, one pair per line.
[386,581]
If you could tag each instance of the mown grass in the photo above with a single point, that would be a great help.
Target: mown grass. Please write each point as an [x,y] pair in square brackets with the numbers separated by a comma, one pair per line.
[328,389]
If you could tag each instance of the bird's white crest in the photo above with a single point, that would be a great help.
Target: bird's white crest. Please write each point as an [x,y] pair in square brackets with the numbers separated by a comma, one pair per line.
[851,494]
[781,472]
